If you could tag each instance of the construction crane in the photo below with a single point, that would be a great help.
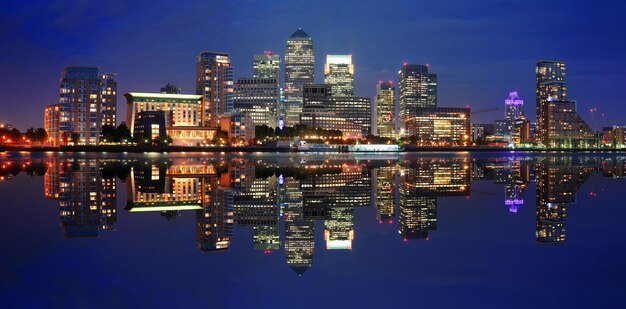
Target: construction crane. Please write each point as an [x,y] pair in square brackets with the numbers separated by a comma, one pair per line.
[483,111]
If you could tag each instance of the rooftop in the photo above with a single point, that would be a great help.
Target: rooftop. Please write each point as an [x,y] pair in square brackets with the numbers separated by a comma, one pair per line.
[299,34]
[158,95]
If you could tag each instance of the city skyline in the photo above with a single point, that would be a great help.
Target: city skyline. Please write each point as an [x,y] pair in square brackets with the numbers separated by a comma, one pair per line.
[594,75]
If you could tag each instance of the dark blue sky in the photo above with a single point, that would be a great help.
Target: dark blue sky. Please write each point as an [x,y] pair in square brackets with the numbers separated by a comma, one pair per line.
[480,49]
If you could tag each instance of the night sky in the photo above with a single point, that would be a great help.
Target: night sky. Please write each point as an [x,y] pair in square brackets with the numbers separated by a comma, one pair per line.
[481,50]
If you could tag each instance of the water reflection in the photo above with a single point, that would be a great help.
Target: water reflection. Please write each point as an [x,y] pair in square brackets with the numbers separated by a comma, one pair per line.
[281,199]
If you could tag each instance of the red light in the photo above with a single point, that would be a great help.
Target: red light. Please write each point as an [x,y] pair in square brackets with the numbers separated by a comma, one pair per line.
[426,238]
[390,221]
[267,52]
[405,64]
[405,240]
[380,222]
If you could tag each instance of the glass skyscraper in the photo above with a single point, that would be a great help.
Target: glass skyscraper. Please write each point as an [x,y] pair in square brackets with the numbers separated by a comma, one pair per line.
[214,80]
[267,65]
[558,123]
[299,70]
[417,88]
[339,74]
[385,109]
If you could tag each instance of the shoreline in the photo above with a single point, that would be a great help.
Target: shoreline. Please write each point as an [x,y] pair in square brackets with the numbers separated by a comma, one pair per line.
[166,149]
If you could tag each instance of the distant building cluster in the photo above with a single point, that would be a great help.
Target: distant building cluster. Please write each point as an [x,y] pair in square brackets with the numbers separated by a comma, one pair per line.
[410,113]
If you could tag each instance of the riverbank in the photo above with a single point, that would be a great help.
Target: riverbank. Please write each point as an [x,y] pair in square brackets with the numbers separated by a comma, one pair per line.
[161,149]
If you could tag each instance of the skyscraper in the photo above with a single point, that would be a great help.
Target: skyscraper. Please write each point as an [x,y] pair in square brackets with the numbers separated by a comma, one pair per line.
[512,110]
[339,74]
[108,93]
[558,123]
[299,70]
[385,109]
[259,98]
[214,80]
[417,88]
[267,65]
[87,101]
[550,78]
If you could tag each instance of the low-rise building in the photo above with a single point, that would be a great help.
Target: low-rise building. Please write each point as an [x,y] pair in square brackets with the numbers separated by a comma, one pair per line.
[181,116]
[439,126]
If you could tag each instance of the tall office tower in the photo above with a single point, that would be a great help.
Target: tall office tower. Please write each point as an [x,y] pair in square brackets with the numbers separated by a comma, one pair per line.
[558,123]
[319,110]
[339,74]
[385,109]
[512,110]
[550,79]
[86,102]
[258,98]
[299,70]
[214,80]
[267,65]
[417,88]
[108,97]
[357,110]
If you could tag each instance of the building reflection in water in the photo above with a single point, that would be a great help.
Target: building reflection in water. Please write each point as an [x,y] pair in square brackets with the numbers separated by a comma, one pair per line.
[558,180]
[87,201]
[422,182]
[263,194]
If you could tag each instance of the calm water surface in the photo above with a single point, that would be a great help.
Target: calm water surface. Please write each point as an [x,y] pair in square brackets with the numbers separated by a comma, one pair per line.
[321,231]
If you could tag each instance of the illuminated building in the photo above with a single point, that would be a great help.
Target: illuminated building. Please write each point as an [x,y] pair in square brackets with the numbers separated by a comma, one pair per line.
[558,123]
[108,97]
[258,98]
[613,137]
[239,127]
[512,110]
[440,126]
[417,88]
[339,74]
[521,131]
[357,110]
[565,127]
[350,115]
[558,179]
[385,109]
[214,82]
[181,117]
[51,124]
[267,65]
[299,70]
[87,101]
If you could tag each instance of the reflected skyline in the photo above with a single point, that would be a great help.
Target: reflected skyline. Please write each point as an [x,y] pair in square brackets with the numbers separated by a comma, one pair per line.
[280,200]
